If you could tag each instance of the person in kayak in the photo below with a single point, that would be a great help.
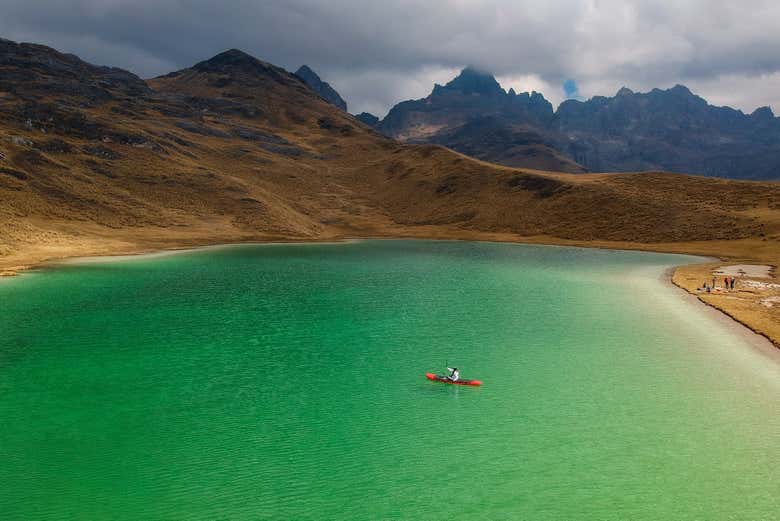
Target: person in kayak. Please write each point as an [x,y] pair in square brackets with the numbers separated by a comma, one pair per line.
[454,374]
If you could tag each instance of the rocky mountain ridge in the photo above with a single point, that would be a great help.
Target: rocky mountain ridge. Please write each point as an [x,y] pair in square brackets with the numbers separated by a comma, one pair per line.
[322,88]
[672,130]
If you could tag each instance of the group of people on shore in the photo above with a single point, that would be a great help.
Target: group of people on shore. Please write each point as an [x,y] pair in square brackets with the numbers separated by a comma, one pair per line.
[728,285]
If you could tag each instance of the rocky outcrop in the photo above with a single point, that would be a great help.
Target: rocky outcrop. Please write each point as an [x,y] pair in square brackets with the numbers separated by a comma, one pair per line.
[45,91]
[34,72]
[322,88]
[472,114]
[368,118]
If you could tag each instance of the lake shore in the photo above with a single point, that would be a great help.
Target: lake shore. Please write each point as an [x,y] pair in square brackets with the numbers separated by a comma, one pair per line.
[753,304]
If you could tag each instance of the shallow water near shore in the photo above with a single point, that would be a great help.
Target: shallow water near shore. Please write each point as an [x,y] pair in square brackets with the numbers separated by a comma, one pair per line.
[287,382]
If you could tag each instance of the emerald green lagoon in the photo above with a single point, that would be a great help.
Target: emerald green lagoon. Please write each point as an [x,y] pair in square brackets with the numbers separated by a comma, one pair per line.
[287,382]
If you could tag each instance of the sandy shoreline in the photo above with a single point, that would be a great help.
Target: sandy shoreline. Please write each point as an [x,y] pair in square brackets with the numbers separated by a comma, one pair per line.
[758,338]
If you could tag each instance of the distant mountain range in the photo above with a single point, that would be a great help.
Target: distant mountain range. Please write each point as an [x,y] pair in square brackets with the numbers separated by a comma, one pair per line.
[672,130]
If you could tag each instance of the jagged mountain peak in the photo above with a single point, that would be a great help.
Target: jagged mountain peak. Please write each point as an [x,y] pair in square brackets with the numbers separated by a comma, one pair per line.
[473,71]
[233,60]
[681,89]
[232,54]
[323,88]
[305,70]
[472,80]
[368,118]
[763,113]
[234,70]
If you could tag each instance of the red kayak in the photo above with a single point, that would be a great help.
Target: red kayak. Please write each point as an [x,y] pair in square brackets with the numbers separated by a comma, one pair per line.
[444,379]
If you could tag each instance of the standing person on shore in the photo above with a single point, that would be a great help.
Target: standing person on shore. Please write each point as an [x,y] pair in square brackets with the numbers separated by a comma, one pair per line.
[732,282]
[726,283]
[714,279]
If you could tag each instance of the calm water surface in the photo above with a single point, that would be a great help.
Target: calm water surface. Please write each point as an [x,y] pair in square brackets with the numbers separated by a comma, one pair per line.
[286,382]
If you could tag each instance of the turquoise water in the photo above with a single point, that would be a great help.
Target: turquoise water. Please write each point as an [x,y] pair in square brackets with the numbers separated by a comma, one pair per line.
[286,382]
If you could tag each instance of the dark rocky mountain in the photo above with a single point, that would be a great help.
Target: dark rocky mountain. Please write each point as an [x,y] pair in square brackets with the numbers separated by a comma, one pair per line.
[322,88]
[49,92]
[235,65]
[470,95]
[34,71]
[368,118]
[472,114]
[672,130]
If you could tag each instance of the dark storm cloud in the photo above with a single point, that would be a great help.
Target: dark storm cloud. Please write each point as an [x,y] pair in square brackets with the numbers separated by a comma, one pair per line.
[377,53]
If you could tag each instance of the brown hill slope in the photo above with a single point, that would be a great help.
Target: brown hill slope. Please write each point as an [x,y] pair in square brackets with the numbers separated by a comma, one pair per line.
[95,160]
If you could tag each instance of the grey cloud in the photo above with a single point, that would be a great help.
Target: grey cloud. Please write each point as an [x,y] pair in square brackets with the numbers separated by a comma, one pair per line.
[379,52]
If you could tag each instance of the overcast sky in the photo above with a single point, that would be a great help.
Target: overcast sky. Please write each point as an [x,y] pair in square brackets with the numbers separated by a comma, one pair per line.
[376,53]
